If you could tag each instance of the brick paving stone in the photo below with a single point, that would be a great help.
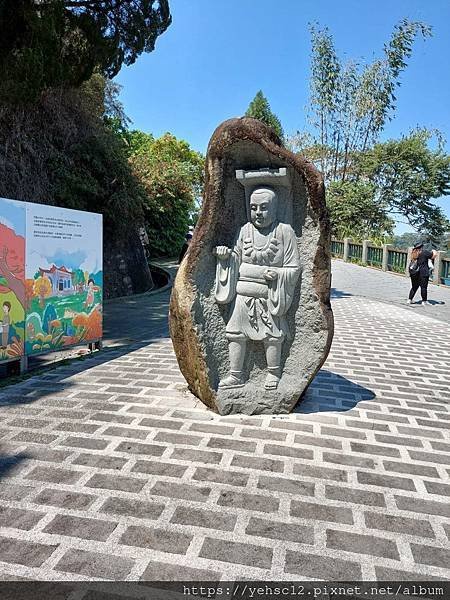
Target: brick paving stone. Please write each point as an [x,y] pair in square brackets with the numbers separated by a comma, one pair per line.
[100,461]
[54,475]
[132,508]
[321,512]
[295,487]
[33,437]
[202,518]
[221,476]
[126,432]
[248,501]
[396,524]
[239,553]
[156,539]
[430,555]
[231,444]
[115,482]
[321,567]
[257,463]
[375,450]
[411,468]
[319,472]
[88,443]
[64,499]
[153,467]
[23,552]
[19,518]
[161,423]
[191,455]
[430,457]
[428,507]
[94,564]
[303,453]
[158,571]
[88,529]
[362,544]
[441,489]
[354,496]
[178,438]
[382,480]
[181,490]
[276,530]
[13,492]
[349,460]
[138,448]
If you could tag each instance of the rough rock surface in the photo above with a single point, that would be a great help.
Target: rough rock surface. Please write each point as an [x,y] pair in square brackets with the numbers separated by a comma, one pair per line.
[197,322]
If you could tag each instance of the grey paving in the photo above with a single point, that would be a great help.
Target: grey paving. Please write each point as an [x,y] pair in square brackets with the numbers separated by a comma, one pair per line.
[354,280]
[111,469]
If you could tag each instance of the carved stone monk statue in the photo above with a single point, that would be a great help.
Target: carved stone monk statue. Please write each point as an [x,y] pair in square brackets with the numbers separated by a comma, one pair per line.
[258,276]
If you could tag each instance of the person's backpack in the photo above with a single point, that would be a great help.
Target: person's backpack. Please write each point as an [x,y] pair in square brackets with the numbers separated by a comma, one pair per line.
[413,267]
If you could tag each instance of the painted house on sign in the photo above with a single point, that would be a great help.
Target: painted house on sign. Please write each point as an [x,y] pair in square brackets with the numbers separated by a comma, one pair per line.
[60,278]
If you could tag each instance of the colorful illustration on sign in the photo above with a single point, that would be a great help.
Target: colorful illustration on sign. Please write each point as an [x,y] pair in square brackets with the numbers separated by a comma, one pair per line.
[12,279]
[64,278]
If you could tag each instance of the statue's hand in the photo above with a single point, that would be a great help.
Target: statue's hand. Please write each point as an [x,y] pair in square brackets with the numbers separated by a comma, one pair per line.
[222,252]
[270,275]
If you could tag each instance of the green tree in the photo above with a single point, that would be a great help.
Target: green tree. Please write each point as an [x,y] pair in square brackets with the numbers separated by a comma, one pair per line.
[171,175]
[408,175]
[355,213]
[350,103]
[52,43]
[259,108]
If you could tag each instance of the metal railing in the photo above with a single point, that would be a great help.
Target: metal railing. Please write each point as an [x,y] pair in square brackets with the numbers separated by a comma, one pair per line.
[397,260]
[375,256]
[388,258]
[355,251]
[337,248]
[445,271]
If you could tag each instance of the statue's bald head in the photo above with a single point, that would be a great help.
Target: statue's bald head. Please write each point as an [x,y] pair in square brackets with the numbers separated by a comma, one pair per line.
[263,207]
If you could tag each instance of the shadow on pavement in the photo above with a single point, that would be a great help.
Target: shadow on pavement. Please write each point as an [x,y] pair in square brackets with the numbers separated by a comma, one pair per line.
[9,463]
[331,392]
[335,293]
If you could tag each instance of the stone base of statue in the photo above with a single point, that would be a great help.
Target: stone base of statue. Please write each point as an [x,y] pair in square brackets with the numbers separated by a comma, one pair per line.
[250,314]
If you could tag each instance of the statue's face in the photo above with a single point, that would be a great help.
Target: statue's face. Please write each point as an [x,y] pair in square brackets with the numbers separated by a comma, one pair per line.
[263,207]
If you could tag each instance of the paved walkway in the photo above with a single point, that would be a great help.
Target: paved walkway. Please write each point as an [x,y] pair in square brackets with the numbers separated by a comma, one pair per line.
[354,280]
[110,469]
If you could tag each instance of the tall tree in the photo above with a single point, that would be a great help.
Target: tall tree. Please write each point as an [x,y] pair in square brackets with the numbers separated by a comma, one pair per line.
[171,175]
[259,108]
[407,175]
[350,103]
[52,43]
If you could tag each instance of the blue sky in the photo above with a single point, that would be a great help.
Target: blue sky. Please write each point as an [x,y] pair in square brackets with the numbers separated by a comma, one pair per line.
[217,54]
[13,215]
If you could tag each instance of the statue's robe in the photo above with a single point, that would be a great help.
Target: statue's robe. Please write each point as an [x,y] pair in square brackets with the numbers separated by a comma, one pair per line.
[259,306]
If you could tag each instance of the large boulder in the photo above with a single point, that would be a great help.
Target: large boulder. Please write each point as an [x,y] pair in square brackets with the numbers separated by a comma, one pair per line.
[250,315]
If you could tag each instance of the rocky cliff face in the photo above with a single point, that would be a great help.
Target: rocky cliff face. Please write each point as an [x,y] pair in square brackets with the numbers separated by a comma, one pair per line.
[198,322]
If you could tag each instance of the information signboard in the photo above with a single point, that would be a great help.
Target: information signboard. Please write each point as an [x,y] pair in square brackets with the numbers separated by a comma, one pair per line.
[51,278]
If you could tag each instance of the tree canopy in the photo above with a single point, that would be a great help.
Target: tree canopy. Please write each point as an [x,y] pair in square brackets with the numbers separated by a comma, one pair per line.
[368,182]
[171,175]
[52,43]
[259,108]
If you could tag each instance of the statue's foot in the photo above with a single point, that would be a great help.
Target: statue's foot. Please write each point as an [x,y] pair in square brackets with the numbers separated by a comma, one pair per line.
[271,382]
[232,380]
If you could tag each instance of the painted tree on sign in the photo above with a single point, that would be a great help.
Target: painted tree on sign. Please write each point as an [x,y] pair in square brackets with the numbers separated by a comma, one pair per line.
[12,252]
[42,289]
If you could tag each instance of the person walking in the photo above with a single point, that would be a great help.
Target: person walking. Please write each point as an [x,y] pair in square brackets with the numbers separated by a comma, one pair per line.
[419,271]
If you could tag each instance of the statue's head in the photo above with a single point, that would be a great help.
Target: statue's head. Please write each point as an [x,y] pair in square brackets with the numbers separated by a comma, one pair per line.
[263,207]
